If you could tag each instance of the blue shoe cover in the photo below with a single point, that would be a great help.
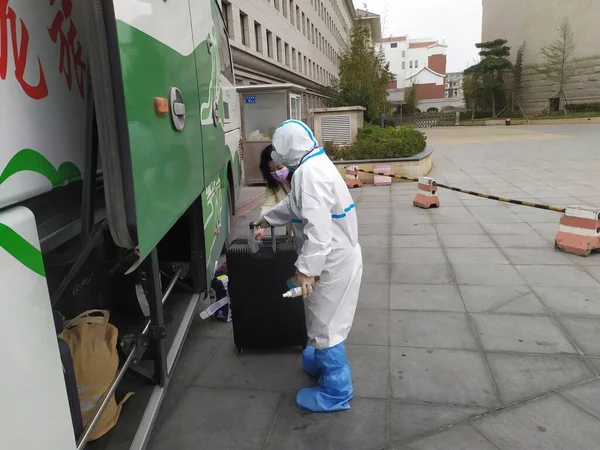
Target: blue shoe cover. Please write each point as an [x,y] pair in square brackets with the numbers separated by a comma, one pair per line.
[308,361]
[334,391]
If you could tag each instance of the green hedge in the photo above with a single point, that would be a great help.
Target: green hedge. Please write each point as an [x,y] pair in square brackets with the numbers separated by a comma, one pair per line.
[374,142]
[584,107]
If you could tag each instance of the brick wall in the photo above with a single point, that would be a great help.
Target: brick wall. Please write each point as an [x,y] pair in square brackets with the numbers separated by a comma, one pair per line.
[437,63]
[430,91]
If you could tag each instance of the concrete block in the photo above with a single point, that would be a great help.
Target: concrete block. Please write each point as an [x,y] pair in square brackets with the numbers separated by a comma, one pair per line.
[487,275]
[370,327]
[585,331]
[586,396]
[462,437]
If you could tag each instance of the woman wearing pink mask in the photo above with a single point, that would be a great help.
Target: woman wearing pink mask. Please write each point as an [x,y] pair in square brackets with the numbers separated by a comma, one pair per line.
[278,187]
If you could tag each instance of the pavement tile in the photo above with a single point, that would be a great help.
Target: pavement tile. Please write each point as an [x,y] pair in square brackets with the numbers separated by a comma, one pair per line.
[485,210]
[520,229]
[412,219]
[536,256]
[445,330]
[527,304]
[374,255]
[409,420]
[519,377]
[376,273]
[370,327]
[487,275]
[415,241]
[571,301]
[466,241]
[412,228]
[440,376]
[455,218]
[547,423]
[425,297]
[586,396]
[265,370]
[594,271]
[374,228]
[374,296]
[489,298]
[194,356]
[460,229]
[369,217]
[525,334]
[595,362]
[558,276]
[421,274]
[370,370]
[504,218]
[374,241]
[205,416]
[520,241]
[476,256]
[462,437]
[363,427]
[418,256]
[585,332]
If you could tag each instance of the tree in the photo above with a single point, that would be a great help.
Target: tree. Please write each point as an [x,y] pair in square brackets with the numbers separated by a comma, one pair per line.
[517,77]
[559,65]
[490,72]
[410,100]
[364,76]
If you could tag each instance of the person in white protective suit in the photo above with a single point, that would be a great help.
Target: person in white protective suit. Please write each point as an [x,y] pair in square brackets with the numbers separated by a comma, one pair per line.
[323,215]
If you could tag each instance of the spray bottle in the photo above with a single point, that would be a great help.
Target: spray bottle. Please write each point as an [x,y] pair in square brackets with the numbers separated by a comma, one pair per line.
[293,293]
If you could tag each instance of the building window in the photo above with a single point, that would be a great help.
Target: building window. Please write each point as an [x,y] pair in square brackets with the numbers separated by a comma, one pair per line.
[403,53]
[244,28]
[292,14]
[305,65]
[276,4]
[284,4]
[286,54]
[394,45]
[269,44]
[298,18]
[416,64]
[258,37]
[403,65]
[303,24]
[294,59]
[279,52]
[411,64]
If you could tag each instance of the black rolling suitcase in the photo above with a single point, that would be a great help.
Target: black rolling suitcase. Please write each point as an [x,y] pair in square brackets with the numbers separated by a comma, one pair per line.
[261,317]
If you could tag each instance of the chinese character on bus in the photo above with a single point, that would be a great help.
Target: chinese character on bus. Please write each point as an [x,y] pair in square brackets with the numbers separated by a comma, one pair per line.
[20,49]
[63,32]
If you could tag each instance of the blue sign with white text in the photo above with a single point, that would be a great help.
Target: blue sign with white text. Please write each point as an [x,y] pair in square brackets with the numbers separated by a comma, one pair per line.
[250,98]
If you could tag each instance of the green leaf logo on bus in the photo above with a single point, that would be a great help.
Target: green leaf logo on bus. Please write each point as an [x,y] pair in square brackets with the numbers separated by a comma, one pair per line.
[28,160]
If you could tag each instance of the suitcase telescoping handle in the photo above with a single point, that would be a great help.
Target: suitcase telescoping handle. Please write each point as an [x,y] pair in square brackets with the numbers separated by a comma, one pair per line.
[274,243]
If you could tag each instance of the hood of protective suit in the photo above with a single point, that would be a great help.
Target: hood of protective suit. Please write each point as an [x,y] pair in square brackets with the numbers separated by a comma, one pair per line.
[292,141]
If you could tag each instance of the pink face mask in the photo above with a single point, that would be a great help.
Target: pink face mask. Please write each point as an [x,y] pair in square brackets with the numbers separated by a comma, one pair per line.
[281,174]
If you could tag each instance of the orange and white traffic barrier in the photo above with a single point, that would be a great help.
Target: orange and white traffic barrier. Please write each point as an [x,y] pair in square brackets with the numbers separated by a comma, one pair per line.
[427,194]
[579,231]
[380,180]
[352,178]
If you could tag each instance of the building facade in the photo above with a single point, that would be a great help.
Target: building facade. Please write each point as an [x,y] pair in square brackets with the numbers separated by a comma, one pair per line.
[288,41]
[454,85]
[535,23]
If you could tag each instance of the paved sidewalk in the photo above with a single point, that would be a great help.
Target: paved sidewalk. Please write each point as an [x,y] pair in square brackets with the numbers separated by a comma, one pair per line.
[472,332]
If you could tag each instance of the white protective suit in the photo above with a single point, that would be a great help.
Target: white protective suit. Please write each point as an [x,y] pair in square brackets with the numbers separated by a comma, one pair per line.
[322,212]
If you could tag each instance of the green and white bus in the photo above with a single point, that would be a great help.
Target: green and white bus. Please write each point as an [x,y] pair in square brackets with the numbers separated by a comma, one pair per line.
[120,166]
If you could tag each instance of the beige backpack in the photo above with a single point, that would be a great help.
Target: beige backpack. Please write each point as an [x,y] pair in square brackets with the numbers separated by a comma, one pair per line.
[93,344]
